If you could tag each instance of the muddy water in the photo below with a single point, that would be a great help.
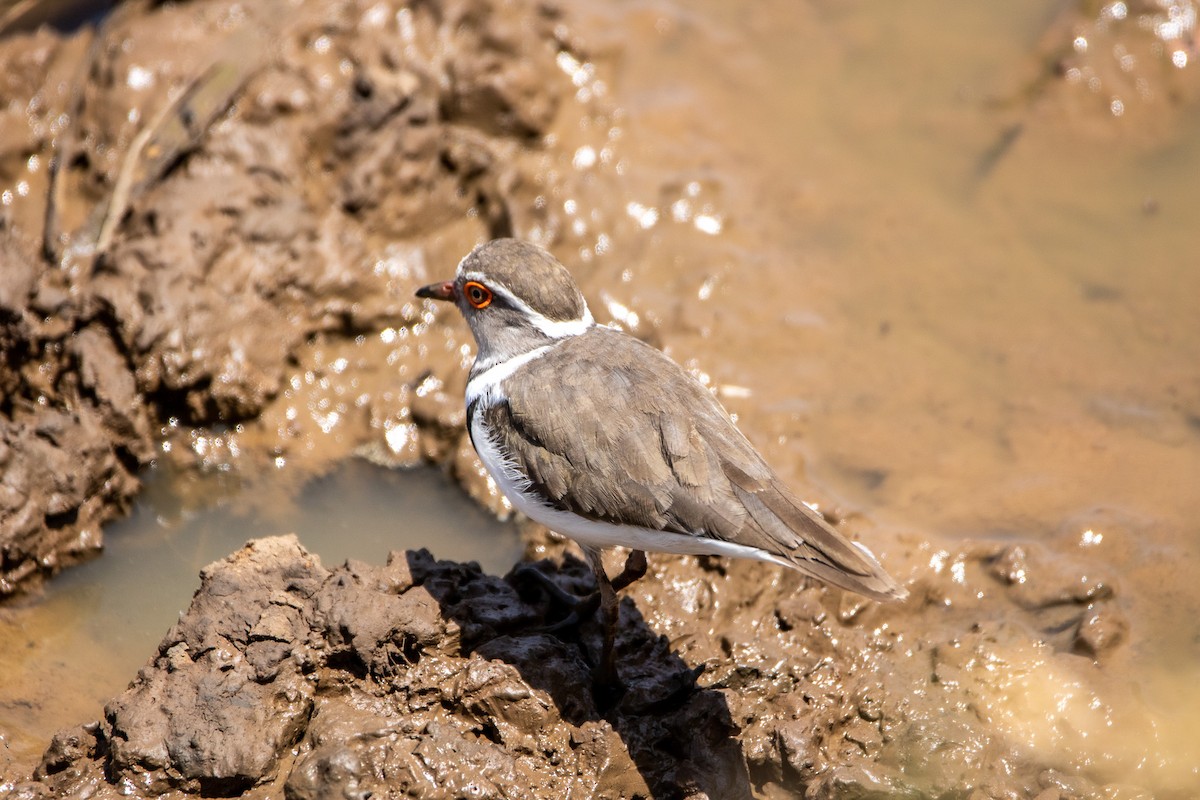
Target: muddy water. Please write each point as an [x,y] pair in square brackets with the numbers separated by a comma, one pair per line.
[963,304]
[84,638]
[945,296]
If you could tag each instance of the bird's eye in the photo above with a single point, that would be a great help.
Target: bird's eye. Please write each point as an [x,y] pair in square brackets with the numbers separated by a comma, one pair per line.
[478,295]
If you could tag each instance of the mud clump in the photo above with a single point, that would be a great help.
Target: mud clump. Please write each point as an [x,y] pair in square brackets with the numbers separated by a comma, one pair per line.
[73,429]
[418,679]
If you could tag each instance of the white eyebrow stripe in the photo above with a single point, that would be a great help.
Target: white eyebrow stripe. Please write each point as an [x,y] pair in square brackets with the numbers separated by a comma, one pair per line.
[555,329]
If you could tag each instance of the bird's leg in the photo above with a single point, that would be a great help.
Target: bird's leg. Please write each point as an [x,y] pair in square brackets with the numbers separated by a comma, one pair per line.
[635,569]
[609,609]
[605,598]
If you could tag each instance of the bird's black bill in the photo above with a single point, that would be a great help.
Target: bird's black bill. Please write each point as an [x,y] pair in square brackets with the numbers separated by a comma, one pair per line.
[437,291]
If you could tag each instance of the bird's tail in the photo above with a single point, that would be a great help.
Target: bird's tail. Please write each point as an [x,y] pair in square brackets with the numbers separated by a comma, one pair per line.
[803,540]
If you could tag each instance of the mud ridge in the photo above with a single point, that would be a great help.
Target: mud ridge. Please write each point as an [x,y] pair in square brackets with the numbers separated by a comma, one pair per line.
[209,187]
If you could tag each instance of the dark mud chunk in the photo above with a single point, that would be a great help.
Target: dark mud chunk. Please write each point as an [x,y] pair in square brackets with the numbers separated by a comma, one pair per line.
[215,711]
[68,748]
[72,429]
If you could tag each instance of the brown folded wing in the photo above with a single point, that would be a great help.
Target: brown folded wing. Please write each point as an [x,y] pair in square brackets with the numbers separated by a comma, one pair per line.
[581,424]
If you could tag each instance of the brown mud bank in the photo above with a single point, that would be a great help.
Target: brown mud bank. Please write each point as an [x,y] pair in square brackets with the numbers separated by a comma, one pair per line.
[218,214]
[205,190]
[432,679]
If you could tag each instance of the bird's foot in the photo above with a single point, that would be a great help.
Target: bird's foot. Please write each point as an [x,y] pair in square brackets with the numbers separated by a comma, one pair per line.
[608,687]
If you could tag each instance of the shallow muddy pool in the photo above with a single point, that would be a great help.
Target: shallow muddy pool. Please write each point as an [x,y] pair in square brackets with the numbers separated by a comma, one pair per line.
[80,641]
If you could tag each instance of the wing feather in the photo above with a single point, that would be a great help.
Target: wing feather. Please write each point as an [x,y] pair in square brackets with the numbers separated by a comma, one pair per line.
[594,444]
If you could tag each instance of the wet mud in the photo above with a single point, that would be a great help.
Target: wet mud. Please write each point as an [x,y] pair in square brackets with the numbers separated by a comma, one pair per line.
[433,679]
[186,279]
[418,679]
[218,214]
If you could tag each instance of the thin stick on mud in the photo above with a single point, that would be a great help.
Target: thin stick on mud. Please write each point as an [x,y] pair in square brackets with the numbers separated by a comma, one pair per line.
[64,151]
[175,131]
[65,146]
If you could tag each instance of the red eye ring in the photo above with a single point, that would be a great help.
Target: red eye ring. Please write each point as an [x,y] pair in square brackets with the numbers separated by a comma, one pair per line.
[478,295]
